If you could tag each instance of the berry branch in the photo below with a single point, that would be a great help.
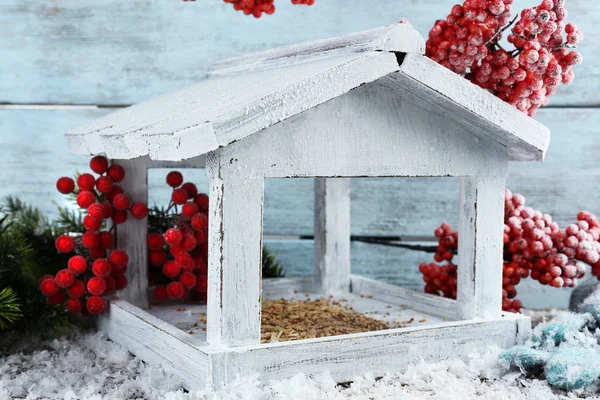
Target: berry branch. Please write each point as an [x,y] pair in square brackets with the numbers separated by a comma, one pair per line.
[468,43]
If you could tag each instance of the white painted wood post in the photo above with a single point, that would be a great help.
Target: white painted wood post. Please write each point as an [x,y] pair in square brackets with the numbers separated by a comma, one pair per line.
[235,259]
[332,234]
[131,236]
[480,231]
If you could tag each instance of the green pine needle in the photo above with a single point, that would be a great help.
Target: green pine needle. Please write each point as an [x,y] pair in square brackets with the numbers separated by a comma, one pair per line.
[271,266]
[10,308]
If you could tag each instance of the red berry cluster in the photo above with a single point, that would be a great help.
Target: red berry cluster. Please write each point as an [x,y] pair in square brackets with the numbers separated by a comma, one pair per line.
[258,7]
[90,273]
[534,246]
[467,42]
[181,253]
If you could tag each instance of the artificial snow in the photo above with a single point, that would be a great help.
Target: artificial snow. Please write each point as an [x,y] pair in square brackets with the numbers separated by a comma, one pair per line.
[87,366]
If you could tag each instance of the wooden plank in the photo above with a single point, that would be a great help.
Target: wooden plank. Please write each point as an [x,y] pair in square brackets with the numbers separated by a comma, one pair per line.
[205,116]
[485,114]
[376,352]
[480,229]
[156,342]
[131,236]
[396,295]
[115,52]
[372,131]
[235,253]
[332,235]
[401,38]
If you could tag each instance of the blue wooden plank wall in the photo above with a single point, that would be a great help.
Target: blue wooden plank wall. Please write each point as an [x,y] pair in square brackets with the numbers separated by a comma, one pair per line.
[64,62]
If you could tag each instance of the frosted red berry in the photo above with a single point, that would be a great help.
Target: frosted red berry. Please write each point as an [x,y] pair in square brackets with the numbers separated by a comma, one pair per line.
[200,222]
[116,173]
[48,287]
[106,239]
[119,217]
[155,241]
[64,244]
[173,236]
[171,269]
[139,210]
[121,202]
[201,201]
[76,290]
[96,286]
[120,282]
[86,182]
[74,305]
[90,239]
[175,290]
[104,184]
[185,261]
[174,179]
[96,210]
[97,252]
[118,257]
[99,164]
[95,305]
[201,283]
[101,267]
[116,190]
[157,257]
[179,196]
[190,189]
[189,209]
[64,278]
[77,265]
[65,185]
[58,298]
[110,285]
[85,199]
[91,224]
[188,280]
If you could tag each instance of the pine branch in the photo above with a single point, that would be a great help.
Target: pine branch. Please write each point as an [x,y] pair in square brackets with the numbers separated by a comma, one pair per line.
[70,221]
[271,267]
[10,308]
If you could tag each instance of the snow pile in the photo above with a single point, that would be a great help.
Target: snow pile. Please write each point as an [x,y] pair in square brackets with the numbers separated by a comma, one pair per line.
[87,366]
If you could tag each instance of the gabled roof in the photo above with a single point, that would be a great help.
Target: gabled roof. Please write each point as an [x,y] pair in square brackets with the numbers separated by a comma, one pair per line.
[244,95]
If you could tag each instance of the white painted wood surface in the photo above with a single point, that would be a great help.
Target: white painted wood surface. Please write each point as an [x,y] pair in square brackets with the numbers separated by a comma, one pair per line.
[391,294]
[131,236]
[235,257]
[483,113]
[332,235]
[347,356]
[216,112]
[392,38]
[372,131]
[480,228]
[156,342]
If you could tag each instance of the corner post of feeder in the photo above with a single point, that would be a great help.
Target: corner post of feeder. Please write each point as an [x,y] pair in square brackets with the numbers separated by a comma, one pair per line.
[131,235]
[332,234]
[480,257]
[235,256]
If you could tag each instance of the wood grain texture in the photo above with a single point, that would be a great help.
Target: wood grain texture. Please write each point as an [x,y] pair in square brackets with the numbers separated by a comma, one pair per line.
[131,236]
[372,131]
[401,38]
[332,235]
[377,352]
[216,112]
[235,257]
[115,52]
[480,245]
[156,342]
[397,295]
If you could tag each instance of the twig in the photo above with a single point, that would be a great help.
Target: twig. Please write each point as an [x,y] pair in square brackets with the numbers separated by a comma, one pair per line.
[498,32]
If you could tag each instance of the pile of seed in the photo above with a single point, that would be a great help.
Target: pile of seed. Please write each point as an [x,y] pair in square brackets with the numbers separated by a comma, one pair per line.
[284,320]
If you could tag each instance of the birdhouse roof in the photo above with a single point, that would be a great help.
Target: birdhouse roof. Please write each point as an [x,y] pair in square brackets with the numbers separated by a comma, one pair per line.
[244,95]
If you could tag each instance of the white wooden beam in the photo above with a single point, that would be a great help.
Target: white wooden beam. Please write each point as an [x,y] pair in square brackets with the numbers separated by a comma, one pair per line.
[131,235]
[395,295]
[394,38]
[480,229]
[235,255]
[332,234]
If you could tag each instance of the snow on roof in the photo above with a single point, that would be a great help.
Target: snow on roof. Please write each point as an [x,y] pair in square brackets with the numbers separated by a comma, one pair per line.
[247,94]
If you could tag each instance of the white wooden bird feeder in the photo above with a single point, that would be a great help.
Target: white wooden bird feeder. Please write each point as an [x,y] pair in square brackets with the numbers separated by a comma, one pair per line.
[369,104]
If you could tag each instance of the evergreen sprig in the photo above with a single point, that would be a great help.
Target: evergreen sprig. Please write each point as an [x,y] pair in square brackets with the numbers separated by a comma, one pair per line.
[10,308]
